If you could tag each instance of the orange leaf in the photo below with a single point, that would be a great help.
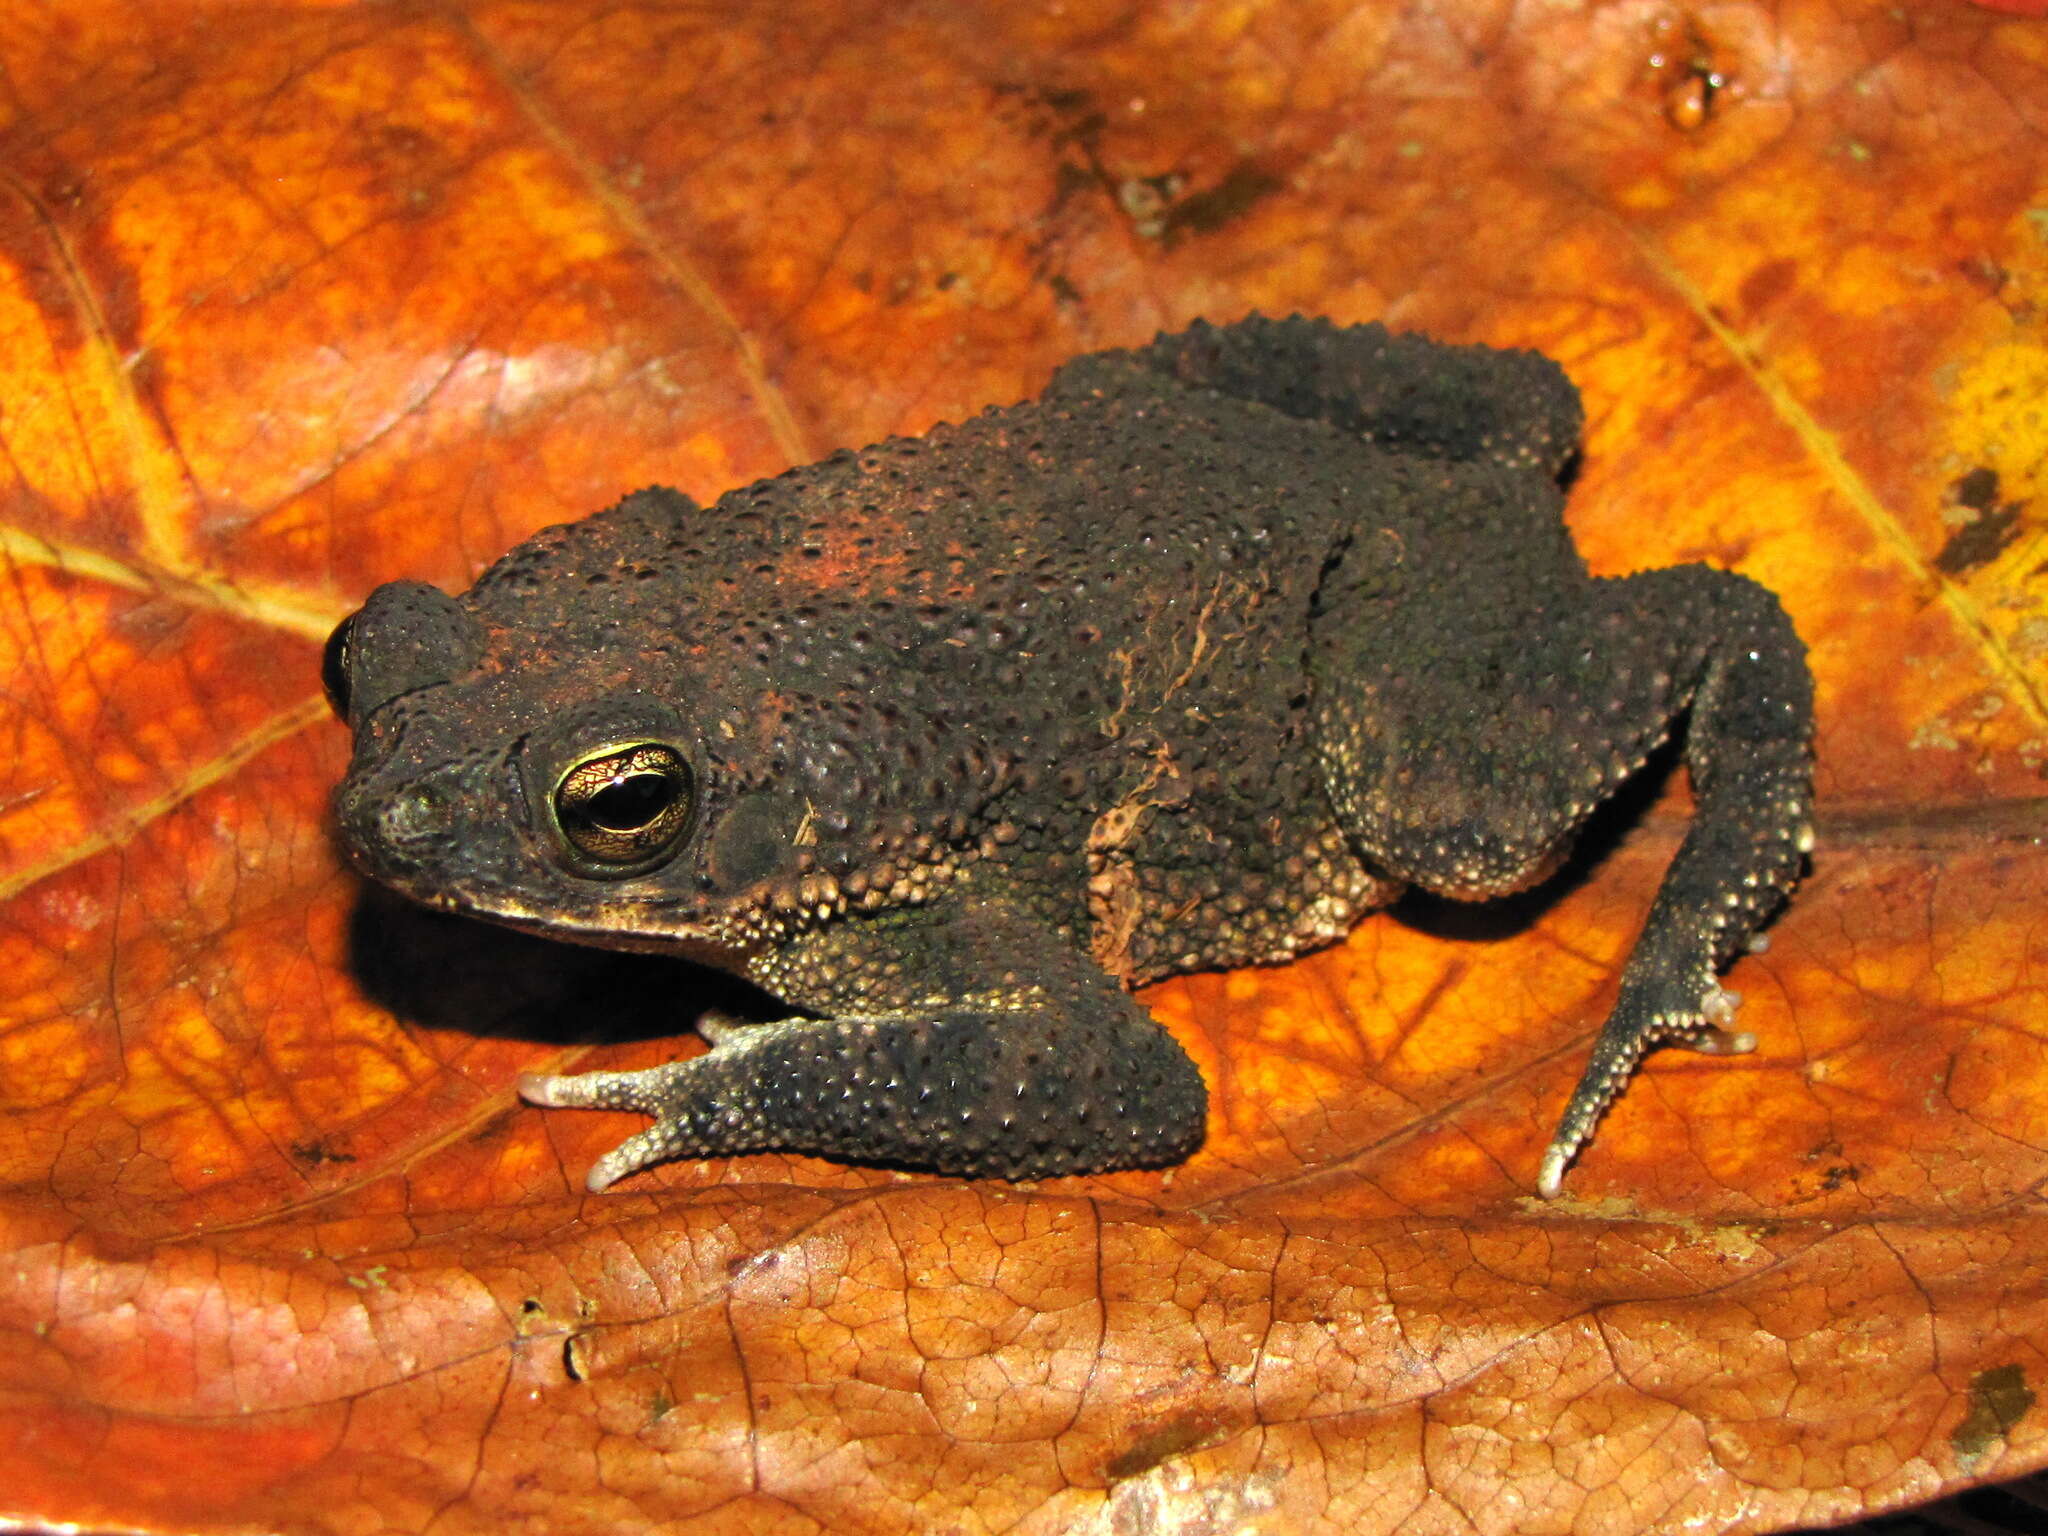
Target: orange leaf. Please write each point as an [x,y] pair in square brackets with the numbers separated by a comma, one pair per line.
[300,298]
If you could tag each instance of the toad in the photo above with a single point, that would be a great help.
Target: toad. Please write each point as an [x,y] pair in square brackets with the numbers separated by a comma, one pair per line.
[948,743]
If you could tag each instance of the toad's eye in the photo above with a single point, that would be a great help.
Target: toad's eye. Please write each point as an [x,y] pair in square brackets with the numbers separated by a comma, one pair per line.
[624,810]
[334,665]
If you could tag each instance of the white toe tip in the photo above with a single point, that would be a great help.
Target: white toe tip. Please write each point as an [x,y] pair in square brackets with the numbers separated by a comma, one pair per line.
[539,1088]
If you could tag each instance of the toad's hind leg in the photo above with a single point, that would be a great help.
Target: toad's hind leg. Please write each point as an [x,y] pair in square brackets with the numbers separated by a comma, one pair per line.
[1402,392]
[1465,758]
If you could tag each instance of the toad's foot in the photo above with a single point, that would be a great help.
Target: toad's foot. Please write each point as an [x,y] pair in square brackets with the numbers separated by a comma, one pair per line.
[1475,790]
[1644,1018]
[1024,1082]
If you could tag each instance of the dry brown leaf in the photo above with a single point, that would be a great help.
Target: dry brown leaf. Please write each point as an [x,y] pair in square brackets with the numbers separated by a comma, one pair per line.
[299,298]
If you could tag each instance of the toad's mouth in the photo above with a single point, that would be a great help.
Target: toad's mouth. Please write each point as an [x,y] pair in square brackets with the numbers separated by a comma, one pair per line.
[651,925]
[641,929]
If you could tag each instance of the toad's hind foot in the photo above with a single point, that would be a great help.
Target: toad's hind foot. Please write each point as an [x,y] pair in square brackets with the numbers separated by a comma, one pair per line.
[1647,1017]
[1747,754]
[1464,756]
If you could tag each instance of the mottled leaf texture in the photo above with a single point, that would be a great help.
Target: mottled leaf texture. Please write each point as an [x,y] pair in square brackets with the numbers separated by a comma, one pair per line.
[298,297]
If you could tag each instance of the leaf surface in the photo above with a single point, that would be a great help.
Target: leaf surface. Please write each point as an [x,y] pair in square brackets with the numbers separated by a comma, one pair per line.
[298,298]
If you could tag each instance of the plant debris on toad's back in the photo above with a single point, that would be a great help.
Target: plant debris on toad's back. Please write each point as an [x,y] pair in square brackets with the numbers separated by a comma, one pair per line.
[949,742]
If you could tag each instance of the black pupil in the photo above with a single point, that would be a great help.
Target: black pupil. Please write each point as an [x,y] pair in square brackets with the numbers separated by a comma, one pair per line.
[631,801]
[334,665]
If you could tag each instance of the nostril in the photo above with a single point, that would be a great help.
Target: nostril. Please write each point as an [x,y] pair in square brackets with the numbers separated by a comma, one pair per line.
[388,828]
[416,813]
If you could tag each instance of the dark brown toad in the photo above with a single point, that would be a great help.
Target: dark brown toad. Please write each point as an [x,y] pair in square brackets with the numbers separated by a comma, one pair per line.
[949,742]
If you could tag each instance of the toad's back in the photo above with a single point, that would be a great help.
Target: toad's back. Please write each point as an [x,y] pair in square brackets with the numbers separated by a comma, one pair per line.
[1106,593]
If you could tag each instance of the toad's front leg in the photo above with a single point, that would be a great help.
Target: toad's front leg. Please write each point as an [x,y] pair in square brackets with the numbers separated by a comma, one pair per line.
[965,1040]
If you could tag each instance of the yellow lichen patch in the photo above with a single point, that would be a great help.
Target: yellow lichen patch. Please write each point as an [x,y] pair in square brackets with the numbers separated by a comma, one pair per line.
[1995,504]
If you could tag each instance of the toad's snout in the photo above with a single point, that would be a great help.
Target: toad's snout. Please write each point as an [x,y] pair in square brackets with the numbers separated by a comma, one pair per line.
[422,829]
[406,829]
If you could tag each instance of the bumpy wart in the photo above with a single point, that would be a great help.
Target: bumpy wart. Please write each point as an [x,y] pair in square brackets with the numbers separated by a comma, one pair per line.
[949,742]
